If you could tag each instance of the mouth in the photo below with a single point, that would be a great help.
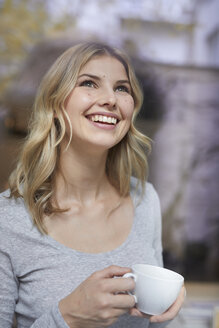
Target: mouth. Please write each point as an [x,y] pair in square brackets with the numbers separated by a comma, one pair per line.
[103,119]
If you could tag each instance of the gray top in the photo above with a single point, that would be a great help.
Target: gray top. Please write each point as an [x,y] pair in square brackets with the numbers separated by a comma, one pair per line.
[36,271]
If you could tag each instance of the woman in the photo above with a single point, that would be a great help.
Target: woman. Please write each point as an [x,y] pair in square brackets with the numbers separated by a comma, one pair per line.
[75,218]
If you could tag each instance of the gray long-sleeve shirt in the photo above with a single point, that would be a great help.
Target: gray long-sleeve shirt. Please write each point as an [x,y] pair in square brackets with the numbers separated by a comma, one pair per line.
[36,271]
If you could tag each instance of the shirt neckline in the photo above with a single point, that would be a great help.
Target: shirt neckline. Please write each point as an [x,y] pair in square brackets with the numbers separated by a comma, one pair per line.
[119,248]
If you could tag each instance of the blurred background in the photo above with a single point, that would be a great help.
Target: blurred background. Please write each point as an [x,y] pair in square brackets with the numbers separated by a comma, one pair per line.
[174,47]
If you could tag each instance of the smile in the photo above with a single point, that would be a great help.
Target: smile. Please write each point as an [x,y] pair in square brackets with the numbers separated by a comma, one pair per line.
[103,119]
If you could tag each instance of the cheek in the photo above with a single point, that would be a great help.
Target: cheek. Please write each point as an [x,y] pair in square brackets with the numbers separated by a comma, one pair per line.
[85,99]
[79,101]
[129,107]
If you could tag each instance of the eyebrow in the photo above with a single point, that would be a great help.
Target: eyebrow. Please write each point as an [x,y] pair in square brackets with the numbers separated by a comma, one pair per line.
[123,81]
[90,75]
[98,78]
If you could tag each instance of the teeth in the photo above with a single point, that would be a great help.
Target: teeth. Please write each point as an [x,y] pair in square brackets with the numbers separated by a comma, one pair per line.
[101,118]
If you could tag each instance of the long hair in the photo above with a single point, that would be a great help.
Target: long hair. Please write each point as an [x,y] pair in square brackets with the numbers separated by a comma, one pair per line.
[34,177]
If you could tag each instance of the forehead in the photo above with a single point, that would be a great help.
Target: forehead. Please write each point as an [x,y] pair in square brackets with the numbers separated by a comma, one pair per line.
[105,66]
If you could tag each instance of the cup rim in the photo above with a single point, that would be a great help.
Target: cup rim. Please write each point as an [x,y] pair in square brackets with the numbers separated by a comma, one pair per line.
[176,274]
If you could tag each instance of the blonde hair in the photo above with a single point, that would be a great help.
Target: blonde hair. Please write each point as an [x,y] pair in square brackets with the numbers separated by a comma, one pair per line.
[33,179]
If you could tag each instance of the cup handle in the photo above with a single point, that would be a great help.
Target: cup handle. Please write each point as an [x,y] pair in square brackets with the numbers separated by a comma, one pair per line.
[133,276]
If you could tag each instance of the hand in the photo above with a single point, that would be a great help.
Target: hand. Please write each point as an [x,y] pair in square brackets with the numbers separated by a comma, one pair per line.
[168,315]
[98,301]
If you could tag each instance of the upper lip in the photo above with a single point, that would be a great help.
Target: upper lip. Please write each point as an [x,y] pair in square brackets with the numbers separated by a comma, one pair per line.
[107,114]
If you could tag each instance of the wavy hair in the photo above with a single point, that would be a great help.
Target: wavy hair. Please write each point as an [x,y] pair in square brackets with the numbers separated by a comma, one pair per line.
[34,177]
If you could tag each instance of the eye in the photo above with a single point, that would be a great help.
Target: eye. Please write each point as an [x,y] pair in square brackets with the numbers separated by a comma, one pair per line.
[88,83]
[123,88]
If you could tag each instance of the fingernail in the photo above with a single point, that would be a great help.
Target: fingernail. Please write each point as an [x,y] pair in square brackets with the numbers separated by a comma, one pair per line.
[153,319]
[135,313]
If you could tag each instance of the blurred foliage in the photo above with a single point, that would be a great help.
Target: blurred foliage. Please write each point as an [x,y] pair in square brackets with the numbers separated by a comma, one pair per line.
[23,23]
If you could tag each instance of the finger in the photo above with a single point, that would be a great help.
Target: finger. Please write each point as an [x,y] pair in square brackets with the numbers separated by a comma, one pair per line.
[118,312]
[135,312]
[122,301]
[172,311]
[111,271]
[120,285]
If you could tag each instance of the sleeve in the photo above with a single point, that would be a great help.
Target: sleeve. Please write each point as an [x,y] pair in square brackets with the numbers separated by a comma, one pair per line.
[157,240]
[8,290]
[9,287]
[9,296]
[52,319]
[159,325]
[157,243]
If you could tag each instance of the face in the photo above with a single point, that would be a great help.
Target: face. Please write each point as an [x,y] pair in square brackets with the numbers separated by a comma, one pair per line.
[101,106]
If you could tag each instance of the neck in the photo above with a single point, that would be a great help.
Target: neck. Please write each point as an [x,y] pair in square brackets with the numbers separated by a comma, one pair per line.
[81,176]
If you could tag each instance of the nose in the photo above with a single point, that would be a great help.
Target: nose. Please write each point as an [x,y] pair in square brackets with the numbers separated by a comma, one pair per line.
[107,97]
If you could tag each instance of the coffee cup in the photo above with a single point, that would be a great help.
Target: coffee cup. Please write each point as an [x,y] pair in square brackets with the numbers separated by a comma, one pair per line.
[156,288]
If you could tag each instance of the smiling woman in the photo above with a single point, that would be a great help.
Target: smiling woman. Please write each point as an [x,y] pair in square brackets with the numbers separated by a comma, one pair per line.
[105,96]
[74,217]
[64,99]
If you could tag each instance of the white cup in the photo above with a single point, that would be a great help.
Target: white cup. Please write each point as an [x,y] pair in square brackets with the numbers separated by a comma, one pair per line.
[156,288]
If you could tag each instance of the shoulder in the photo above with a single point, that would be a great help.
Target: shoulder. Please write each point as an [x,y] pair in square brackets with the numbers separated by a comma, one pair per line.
[149,193]
[13,214]
[9,206]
